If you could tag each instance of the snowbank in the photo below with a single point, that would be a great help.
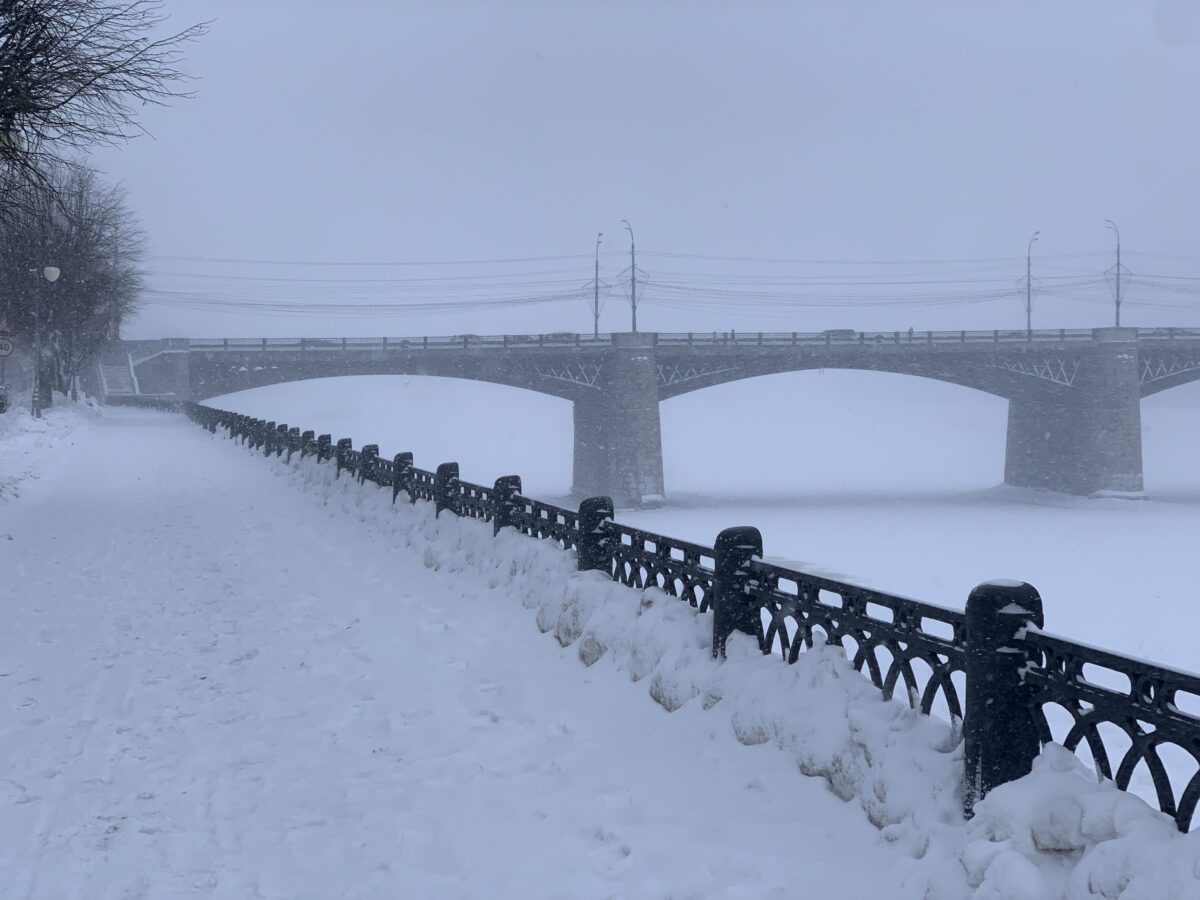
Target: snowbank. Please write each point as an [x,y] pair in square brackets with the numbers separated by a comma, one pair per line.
[27,444]
[1054,834]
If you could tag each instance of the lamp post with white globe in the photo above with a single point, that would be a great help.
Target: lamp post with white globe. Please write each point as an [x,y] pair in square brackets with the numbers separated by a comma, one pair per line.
[50,273]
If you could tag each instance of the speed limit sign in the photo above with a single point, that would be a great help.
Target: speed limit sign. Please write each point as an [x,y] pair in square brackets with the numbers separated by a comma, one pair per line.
[6,345]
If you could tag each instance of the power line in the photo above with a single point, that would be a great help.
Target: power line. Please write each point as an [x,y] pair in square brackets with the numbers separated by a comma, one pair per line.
[250,261]
[393,308]
[861,262]
[430,279]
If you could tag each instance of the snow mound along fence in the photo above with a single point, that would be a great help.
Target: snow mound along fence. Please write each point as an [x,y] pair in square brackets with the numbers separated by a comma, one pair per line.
[1008,686]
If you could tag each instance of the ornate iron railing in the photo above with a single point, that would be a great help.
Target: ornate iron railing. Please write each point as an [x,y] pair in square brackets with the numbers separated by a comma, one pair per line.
[473,501]
[641,559]
[990,670]
[883,635]
[1145,707]
[546,521]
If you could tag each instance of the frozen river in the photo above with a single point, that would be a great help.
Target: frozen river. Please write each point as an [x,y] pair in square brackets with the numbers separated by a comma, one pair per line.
[878,479]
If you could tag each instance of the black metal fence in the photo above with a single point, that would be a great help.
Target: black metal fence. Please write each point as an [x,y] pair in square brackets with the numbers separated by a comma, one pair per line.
[991,669]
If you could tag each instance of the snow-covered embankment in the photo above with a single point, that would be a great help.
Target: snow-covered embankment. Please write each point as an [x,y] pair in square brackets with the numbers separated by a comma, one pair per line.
[1055,833]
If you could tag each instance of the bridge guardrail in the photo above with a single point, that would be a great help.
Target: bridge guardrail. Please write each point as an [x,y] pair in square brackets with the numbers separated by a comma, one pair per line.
[830,338]
[1168,334]
[846,338]
[991,670]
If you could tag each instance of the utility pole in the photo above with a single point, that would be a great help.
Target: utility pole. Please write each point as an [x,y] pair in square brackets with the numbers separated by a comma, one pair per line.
[632,274]
[1029,286]
[1116,231]
[596,291]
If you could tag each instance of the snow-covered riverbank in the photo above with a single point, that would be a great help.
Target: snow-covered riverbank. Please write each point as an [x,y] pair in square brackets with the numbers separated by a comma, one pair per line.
[232,678]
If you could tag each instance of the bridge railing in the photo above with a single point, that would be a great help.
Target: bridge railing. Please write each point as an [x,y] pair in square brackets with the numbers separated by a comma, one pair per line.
[1168,334]
[433,342]
[990,670]
[847,337]
[829,338]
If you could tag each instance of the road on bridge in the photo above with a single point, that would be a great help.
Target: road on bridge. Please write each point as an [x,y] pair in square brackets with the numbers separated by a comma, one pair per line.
[210,686]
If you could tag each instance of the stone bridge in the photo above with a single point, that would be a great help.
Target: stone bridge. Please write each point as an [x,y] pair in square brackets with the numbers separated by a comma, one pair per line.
[1074,421]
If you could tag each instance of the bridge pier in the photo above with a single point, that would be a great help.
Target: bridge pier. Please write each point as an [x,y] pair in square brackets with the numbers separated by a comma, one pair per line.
[618,436]
[1087,438]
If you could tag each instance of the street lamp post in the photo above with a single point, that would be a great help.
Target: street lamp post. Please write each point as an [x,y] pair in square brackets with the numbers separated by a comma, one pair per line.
[1117,232]
[50,273]
[1029,286]
[632,273]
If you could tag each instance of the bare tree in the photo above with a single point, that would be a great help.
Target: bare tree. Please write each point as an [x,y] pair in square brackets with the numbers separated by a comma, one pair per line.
[72,73]
[84,228]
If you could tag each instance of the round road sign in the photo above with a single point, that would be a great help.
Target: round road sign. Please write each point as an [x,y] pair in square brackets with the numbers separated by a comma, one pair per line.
[6,346]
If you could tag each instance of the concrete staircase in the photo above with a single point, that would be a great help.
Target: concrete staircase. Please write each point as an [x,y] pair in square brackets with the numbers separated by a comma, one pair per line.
[117,380]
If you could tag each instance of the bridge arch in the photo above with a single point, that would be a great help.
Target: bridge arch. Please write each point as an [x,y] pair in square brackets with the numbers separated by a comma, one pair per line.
[215,373]
[1001,376]
[1157,380]
[489,429]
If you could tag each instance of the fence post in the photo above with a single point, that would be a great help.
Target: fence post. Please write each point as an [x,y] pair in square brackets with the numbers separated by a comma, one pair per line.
[594,548]
[343,445]
[366,469]
[1000,739]
[402,466]
[504,502]
[323,448]
[306,438]
[293,443]
[445,485]
[281,438]
[733,608]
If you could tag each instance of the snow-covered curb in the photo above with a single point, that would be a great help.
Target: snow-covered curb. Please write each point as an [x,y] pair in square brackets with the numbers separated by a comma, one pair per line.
[1054,834]
[27,444]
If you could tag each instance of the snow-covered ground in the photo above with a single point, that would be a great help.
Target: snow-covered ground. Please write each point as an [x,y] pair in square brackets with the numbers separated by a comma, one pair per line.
[30,447]
[215,687]
[884,480]
[230,678]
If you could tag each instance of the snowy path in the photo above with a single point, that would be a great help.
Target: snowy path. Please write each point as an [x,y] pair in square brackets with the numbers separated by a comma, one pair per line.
[212,687]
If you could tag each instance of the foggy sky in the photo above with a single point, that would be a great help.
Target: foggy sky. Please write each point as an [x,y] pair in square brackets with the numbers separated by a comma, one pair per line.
[393,131]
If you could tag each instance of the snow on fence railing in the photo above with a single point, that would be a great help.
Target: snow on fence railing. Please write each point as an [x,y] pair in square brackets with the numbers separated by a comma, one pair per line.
[991,669]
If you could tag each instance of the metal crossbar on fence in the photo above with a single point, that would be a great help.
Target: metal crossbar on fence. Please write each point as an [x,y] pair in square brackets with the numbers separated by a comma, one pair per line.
[991,670]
